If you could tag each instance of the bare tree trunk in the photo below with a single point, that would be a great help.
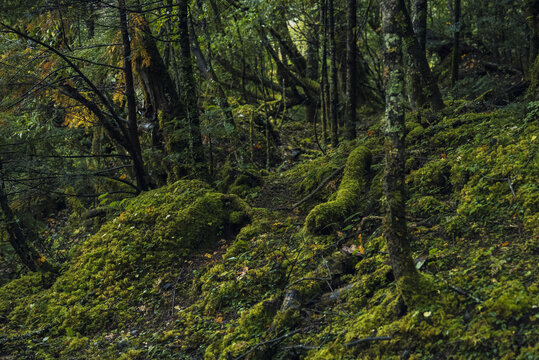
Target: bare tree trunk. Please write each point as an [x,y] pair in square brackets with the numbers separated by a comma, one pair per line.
[136,153]
[312,74]
[419,22]
[324,71]
[189,92]
[395,233]
[531,12]
[456,43]
[333,95]
[351,72]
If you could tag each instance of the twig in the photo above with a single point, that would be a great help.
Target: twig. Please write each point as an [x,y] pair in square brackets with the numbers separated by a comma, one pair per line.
[305,279]
[352,343]
[368,339]
[465,293]
[322,184]
[174,292]
[278,339]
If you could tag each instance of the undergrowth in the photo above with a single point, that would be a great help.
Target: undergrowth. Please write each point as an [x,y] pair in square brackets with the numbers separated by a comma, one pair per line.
[277,291]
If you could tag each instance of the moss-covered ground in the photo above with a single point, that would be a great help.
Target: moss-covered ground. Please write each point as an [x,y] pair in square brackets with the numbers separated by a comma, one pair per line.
[185,272]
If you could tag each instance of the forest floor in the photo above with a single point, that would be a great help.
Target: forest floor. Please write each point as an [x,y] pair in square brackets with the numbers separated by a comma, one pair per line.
[187,272]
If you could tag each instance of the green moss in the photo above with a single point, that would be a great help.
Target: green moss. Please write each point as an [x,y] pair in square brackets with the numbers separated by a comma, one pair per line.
[348,198]
[13,292]
[125,264]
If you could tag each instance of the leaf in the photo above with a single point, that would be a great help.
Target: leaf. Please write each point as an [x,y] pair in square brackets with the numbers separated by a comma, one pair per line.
[243,272]
[361,249]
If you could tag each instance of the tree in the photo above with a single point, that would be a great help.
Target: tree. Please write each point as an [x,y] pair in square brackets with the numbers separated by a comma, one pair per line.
[426,88]
[333,93]
[456,43]
[28,255]
[396,233]
[351,71]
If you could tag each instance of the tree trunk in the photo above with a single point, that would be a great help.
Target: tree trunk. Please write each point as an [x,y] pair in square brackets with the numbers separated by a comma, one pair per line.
[189,93]
[418,63]
[159,88]
[28,255]
[531,12]
[333,95]
[351,72]
[312,74]
[209,73]
[456,39]
[324,86]
[395,232]
[419,22]
[136,152]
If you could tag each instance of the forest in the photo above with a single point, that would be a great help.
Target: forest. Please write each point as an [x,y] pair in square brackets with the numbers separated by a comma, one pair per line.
[269,179]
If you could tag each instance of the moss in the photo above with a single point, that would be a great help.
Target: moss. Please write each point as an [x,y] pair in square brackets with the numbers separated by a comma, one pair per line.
[126,262]
[348,197]
[13,292]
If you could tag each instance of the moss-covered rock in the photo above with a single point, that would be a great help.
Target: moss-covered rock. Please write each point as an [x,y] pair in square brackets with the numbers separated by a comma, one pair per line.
[348,197]
[116,276]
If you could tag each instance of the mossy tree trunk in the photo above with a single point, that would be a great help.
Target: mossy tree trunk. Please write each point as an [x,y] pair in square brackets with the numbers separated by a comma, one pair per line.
[351,71]
[396,234]
[189,93]
[159,89]
[419,66]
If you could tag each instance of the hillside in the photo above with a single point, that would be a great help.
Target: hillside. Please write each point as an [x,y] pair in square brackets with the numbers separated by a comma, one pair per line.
[186,272]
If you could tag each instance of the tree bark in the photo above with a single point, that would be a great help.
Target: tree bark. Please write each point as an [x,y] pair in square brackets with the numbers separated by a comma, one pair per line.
[132,129]
[333,95]
[189,93]
[456,43]
[419,22]
[395,232]
[418,63]
[531,12]
[351,72]
[312,74]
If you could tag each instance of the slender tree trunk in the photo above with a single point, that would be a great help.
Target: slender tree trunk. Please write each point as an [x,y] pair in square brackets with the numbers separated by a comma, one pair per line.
[531,13]
[395,233]
[189,92]
[312,74]
[136,152]
[333,95]
[419,22]
[351,71]
[456,43]
[324,71]
[418,63]
[207,70]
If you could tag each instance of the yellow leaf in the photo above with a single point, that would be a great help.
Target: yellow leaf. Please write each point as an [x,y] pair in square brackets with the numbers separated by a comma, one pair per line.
[207,255]
[361,249]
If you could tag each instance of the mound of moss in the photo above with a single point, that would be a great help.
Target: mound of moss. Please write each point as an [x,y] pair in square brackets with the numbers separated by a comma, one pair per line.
[348,197]
[117,276]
